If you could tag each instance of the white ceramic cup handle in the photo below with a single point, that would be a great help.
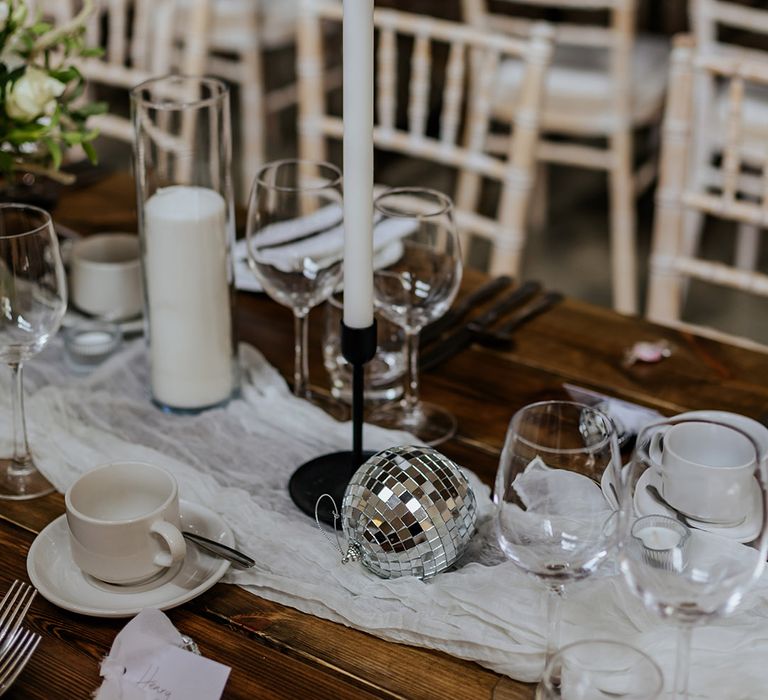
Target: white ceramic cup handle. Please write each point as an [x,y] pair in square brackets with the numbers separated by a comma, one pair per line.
[173,538]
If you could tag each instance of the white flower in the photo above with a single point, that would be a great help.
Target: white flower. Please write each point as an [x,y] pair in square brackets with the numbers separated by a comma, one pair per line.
[32,95]
[4,12]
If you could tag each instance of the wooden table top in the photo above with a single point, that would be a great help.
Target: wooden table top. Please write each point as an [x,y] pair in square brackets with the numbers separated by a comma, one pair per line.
[278,652]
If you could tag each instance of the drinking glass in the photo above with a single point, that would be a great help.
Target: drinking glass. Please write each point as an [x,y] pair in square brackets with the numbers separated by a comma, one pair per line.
[600,670]
[295,244]
[418,276]
[33,299]
[552,519]
[680,563]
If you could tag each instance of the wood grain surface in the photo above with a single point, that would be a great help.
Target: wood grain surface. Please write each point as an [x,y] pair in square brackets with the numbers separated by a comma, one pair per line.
[278,652]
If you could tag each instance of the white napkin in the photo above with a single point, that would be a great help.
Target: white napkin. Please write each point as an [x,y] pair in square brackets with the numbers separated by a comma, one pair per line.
[147,662]
[628,416]
[293,249]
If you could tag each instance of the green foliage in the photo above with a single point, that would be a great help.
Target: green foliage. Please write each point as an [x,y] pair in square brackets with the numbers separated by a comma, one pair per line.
[42,112]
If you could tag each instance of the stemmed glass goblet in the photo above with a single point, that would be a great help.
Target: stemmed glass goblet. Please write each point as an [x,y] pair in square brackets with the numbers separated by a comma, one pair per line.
[682,562]
[33,299]
[551,517]
[417,279]
[295,246]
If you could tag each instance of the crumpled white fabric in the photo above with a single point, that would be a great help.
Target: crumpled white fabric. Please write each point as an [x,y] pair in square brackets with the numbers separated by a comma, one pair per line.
[237,461]
[135,646]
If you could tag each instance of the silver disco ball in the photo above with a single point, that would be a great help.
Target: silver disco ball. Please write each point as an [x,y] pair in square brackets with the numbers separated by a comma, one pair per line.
[408,511]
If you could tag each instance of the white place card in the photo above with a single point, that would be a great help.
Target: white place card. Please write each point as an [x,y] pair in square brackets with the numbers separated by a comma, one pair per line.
[146,662]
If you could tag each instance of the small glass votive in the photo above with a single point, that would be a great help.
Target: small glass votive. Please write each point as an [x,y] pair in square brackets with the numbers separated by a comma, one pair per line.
[597,669]
[662,541]
[384,374]
[89,343]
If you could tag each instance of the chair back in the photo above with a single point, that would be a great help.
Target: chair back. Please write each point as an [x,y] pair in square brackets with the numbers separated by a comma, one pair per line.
[591,25]
[735,191]
[424,49]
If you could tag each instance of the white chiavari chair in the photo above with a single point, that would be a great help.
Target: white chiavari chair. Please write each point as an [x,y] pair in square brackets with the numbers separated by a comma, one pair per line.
[735,191]
[605,81]
[430,47]
[716,27]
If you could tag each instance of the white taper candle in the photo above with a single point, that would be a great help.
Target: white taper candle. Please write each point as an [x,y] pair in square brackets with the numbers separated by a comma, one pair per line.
[358,163]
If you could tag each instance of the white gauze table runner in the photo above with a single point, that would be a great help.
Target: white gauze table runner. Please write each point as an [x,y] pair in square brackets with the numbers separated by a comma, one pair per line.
[237,461]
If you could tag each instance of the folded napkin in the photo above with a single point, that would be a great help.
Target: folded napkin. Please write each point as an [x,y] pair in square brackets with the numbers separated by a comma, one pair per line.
[311,243]
[148,662]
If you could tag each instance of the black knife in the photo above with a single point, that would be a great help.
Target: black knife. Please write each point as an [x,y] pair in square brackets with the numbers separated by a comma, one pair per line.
[434,330]
[503,334]
[463,337]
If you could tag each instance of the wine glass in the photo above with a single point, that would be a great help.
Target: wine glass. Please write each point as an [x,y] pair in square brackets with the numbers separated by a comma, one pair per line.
[682,553]
[597,669]
[295,239]
[418,274]
[551,517]
[33,299]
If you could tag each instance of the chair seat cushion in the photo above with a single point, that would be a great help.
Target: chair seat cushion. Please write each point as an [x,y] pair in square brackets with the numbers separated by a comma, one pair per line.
[579,90]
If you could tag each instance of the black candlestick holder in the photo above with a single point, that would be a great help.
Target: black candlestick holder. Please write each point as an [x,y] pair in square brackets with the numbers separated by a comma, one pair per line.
[331,473]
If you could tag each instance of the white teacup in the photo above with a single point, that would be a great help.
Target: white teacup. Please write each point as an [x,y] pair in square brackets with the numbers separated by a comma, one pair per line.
[706,470]
[105,276]
[124,522]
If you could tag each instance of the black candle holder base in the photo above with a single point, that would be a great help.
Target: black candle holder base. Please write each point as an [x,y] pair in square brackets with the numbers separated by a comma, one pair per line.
[325,474]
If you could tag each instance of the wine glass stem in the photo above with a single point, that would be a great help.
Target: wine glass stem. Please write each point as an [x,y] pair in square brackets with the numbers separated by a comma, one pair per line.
[300,366]
[411,394]
[683,661]
[554,613]
[22,459]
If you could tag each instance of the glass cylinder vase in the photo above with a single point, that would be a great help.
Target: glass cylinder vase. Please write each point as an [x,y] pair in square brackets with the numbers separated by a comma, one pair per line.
[182,162]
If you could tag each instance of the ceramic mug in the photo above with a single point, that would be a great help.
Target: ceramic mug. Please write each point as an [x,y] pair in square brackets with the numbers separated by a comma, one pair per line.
[124,522]
[706,470]
[105,275]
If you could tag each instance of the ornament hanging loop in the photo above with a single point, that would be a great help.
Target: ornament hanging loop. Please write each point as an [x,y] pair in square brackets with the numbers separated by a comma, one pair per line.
[344,557]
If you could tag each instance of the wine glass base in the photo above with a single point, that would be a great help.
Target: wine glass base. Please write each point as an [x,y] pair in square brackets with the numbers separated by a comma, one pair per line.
[325,474]
[21,484]
[425,421]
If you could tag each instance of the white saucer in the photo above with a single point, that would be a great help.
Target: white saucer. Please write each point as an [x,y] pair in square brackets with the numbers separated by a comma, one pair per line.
[745,531]
[60,581]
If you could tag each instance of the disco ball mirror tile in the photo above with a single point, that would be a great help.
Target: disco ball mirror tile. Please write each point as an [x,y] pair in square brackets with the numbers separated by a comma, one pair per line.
[408,511]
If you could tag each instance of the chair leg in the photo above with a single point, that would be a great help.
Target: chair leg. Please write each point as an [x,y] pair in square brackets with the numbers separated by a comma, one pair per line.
[539,207]
[747,247]
[623,242]
[252,117]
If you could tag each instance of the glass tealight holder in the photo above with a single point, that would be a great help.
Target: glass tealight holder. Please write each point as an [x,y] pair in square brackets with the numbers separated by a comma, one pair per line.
[384,374]
[88,343]
[662,541]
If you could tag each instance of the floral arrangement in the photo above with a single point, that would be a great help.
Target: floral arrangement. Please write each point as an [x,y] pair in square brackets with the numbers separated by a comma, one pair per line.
[43,113]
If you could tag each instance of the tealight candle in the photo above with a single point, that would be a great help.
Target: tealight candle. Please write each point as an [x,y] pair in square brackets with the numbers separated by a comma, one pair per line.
[662,540]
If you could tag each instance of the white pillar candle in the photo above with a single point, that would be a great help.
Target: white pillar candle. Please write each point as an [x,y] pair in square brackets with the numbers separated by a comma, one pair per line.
[358,163]
[190,322]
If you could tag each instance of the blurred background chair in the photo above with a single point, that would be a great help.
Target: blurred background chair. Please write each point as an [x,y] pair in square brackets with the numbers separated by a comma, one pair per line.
[735,192]
[423,51]
[739,31]
[140,41]
[605,82]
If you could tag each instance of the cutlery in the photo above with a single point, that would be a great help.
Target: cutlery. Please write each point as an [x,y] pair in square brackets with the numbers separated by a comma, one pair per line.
[503,334]
[15,655]
[483,293]
[464,336]
[13,608]
[217,549]
[655,494]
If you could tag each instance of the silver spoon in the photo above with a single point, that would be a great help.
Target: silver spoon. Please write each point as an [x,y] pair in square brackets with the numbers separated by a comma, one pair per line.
[237,559]
[654,493]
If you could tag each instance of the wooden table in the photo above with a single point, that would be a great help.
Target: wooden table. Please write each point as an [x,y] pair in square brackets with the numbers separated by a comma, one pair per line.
[277,652]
